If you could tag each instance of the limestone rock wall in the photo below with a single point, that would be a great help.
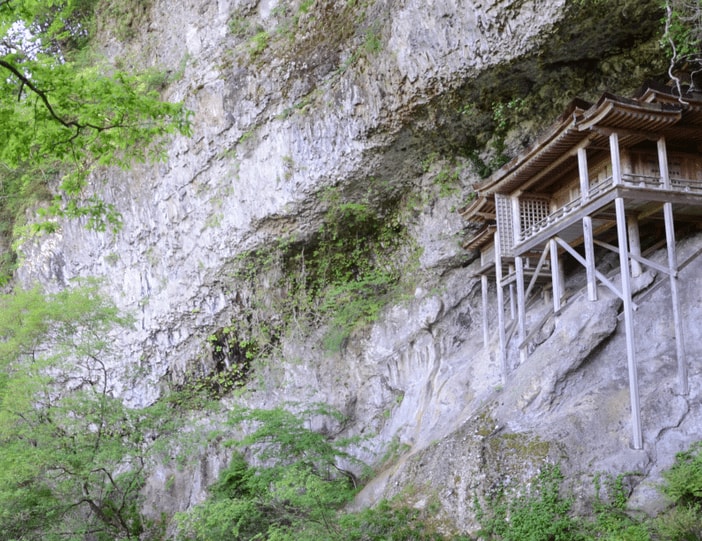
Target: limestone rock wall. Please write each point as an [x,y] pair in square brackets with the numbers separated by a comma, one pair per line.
[292,99]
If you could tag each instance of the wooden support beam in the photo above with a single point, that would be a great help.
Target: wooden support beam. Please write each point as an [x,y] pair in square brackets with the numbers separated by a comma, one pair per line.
[683,386]
[583,174]
[535,330]
[601,277]
[590,269]
[602,130]
[663,163]
[555,277]
[521,305]
[639,259]
[690,259]
[500,308]
[486,324]
[537,271]
[651,290]
[637,438]
[632,224]
[616,158]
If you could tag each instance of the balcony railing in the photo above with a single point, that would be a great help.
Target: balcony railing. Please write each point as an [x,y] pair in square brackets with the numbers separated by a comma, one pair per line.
[602,187]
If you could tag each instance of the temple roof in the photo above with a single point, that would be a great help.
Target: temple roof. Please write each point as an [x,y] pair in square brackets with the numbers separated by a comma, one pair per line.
[653,113]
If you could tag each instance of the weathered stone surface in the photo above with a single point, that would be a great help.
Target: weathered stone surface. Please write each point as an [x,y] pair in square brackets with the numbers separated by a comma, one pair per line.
[320,107]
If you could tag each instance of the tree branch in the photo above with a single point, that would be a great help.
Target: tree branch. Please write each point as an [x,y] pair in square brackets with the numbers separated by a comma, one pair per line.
[42,95]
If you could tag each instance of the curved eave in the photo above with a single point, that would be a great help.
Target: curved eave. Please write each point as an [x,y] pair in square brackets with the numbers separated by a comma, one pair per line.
[483,237]
[689,129]
[478,210]
[616,113]
[558,140]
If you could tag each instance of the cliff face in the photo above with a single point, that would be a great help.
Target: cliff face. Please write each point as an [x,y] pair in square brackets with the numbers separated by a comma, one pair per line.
[300,108]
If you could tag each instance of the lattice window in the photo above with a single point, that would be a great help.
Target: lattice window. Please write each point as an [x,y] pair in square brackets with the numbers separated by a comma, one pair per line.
[532,210]
[503,210]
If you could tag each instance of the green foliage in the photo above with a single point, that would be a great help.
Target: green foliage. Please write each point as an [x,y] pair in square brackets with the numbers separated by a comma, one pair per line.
[502,116]
[372,43]
[347,270]
[544,511]
[297,490]
[72,457]
[232,357]
[389,521]
[683,484]
[123,17]
[681,523]
[683,481]
[259,43]
[65,113]
[611,520]
[447,177]
[300,485]
[683,28]
[539,514]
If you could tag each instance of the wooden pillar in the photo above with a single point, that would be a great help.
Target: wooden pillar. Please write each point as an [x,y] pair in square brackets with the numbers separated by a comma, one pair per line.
[632,224]
[512,298]
[521,306]
[663,163]
[590,268]
[584,176]
[683,386]
[616,159]
[555,276]
[637,438]
[500,308]
[587,226]
[486,325]
[518,269]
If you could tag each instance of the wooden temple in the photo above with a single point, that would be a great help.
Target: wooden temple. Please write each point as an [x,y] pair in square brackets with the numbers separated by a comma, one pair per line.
[601,175]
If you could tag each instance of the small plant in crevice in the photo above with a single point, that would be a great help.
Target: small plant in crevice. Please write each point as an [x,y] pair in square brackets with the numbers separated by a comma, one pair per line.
[228,369]
[232,357]
[258,43]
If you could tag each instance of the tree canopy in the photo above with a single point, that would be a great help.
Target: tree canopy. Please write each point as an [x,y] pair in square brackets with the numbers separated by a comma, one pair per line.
[65,111]
[72,455]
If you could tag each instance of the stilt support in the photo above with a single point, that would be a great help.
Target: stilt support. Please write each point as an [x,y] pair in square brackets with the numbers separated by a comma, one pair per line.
[486,326]
[521,306]
[632,224]
[590,269]
[637,438]
[555,276]
[500,308]
[683,386]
